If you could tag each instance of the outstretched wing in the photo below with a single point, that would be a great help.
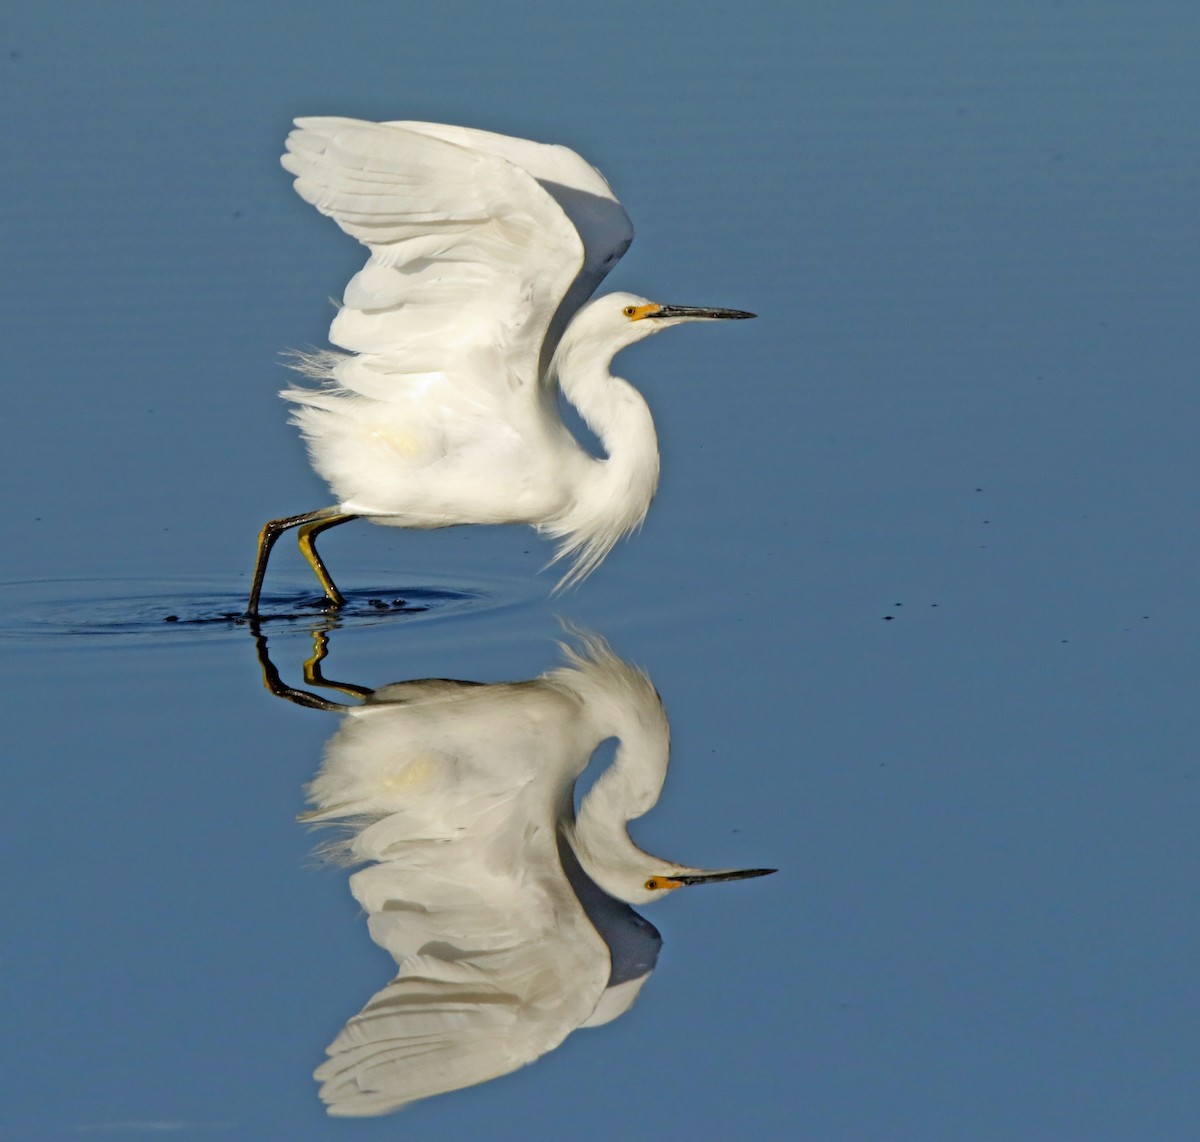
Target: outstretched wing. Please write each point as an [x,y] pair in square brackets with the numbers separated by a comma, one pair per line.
[482,246]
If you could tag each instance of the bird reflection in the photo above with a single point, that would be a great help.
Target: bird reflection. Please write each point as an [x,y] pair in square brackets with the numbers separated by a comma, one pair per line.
[506,911]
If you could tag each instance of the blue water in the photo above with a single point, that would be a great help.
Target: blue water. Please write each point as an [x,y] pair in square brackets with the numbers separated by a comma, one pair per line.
[917,591]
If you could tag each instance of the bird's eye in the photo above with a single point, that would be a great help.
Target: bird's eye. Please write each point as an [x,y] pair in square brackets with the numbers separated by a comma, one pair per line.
[652,883]
[630,310]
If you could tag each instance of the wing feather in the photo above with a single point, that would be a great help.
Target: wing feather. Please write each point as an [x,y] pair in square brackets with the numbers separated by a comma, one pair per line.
[443,1024]
[481,246]
[494,970]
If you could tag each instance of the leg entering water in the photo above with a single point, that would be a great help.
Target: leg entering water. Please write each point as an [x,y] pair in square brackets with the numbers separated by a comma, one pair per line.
[274,528]
[307,539]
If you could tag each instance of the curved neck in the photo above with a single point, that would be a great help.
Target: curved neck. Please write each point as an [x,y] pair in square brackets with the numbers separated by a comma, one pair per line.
[629,787]
[618,489]
[613,409]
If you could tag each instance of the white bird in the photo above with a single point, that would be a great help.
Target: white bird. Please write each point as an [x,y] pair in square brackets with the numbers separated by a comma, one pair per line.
[459,332]
[501,905]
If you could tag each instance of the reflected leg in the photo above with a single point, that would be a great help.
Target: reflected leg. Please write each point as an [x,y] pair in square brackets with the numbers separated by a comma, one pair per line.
[307,539]
[277,686]
[312,668]
[271,531]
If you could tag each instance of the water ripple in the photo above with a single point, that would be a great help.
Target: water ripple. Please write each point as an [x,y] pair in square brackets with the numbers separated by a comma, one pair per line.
[187,607]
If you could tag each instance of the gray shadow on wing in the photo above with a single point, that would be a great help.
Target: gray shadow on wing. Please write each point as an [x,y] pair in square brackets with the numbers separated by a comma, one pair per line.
[606,233]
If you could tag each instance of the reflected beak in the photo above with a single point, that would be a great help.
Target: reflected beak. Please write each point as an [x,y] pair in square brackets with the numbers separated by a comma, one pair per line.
[699,313]
[714,877]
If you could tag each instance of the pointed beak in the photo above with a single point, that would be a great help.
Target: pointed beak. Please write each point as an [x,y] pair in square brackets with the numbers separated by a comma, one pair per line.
[699,313]
[714,877]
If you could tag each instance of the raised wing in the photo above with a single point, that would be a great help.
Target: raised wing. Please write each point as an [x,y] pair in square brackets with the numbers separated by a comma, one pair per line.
[481,246]
[582,194]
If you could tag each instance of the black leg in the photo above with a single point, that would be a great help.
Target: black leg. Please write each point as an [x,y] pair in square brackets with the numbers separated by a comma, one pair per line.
[271,531]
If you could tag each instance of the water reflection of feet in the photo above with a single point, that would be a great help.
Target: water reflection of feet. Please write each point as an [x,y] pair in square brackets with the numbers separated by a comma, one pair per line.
[507,911]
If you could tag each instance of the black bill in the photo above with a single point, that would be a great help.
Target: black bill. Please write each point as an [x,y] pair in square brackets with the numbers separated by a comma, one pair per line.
[735,874]
[700,312]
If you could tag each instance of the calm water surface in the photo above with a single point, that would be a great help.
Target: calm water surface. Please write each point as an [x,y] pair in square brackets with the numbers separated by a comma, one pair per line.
[917,591]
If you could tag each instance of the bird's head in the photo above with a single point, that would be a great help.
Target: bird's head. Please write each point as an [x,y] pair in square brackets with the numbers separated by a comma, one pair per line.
[620,319]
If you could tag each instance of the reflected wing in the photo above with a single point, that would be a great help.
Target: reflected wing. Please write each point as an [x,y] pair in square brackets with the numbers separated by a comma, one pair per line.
[480,244]
[449,790]
[503,945]
[505,971]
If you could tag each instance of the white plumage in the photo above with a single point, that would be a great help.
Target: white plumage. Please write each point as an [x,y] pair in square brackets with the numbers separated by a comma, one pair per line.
[504,910]
[457,334]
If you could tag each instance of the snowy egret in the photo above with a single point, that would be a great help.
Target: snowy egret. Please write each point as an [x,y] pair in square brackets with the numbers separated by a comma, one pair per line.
[463,325]
[505,910]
